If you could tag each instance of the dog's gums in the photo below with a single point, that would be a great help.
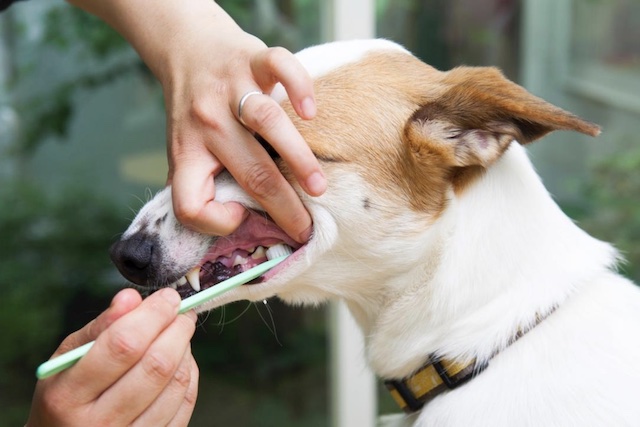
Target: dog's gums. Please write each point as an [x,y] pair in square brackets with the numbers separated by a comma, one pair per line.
[257,240]
[210,273]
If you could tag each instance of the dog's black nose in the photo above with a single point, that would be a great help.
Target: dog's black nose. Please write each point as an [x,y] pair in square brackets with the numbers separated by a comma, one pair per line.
[134,258]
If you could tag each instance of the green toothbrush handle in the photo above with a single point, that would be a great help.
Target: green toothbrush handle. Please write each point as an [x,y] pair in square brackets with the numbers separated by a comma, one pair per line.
[66,360]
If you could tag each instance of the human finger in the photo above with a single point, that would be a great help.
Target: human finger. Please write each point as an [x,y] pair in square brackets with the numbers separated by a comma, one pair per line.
[177,393]
[183,416]
[278,65]
[264,115]
[134,393]
[194,204]
[257,173]
[122,345]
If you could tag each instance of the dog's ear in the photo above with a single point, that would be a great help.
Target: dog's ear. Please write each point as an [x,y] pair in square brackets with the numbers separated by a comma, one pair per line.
[480,114]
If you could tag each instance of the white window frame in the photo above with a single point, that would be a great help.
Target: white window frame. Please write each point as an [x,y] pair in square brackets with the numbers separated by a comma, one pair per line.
[546,47]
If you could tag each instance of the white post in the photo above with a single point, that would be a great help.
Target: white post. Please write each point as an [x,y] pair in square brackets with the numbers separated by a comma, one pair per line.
[353,385]
[349,19]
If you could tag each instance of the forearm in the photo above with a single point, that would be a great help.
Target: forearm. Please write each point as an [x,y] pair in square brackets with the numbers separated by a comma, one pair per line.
[160,29]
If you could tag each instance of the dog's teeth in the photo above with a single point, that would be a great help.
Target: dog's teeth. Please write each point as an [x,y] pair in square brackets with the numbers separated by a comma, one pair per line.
[279,250]
[193,277]
[251,250]
[182,281]
[258,253]
[239,261]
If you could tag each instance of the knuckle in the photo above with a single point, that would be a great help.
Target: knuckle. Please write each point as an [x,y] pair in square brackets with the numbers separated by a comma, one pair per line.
[187,324]
[267,115]
[261,181]
[275,56]
[69,343]
[186,212]
[191,397]
[54,404]
[204,109]
[158,366]
[182,375]
[124,347]
[192,392]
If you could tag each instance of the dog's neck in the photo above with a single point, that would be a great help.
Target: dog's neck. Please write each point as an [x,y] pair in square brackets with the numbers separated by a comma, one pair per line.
[502,254]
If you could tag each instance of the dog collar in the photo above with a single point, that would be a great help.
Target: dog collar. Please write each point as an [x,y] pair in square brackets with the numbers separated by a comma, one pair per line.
[439,375]
[436,376]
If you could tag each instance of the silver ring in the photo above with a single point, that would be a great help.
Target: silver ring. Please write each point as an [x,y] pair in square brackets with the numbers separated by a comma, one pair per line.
[241,104]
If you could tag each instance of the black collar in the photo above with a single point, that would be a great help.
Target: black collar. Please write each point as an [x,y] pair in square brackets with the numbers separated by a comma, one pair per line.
[438,375]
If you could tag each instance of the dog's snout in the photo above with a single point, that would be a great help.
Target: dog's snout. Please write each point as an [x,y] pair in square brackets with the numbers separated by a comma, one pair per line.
[134,258]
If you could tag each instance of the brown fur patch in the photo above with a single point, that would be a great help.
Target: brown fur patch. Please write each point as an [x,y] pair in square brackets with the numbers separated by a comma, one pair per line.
[397,121]
[481,95]
[362,111]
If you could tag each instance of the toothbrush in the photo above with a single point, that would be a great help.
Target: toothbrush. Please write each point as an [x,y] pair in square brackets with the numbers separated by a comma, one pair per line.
[66,360]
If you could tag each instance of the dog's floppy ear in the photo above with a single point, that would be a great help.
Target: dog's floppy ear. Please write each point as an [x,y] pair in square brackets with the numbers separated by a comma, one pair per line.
[480,114]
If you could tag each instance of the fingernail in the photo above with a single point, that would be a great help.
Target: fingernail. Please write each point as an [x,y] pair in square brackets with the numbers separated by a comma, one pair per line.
[308,107]
[170,295]
[316,184]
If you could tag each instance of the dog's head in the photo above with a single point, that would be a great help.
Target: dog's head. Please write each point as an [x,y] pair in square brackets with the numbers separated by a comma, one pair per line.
[397,140]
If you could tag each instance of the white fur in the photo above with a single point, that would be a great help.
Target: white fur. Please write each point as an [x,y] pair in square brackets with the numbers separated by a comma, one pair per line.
[461,285]
[321,59]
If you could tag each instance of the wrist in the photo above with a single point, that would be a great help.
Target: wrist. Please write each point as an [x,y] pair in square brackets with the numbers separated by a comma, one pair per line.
[161,30]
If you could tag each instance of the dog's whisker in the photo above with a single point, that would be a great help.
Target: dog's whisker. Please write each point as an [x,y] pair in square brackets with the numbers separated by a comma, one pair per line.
[272,327]
[203,319]
[221,320]
[117,235]
[148,193]
[228,322]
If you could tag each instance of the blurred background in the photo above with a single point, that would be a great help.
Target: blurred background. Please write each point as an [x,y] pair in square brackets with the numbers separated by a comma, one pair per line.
[82,146]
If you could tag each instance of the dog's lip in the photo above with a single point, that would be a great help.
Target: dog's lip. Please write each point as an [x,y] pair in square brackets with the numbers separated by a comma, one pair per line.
[257,230]
[297,253]
[209,277]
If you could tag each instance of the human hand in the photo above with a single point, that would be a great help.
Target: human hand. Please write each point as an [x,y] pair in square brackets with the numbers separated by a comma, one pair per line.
[205,64]
[139,372]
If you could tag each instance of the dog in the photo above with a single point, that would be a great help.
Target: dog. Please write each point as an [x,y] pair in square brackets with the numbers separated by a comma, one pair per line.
[481,302]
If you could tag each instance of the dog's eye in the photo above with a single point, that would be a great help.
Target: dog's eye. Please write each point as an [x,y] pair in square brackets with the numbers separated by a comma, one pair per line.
[455,133]
[275,155]
[268,148]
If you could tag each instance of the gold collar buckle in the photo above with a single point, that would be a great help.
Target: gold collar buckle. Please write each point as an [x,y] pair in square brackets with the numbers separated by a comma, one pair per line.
[438,375]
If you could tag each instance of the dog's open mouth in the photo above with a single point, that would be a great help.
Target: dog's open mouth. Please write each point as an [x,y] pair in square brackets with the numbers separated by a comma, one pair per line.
[254,242]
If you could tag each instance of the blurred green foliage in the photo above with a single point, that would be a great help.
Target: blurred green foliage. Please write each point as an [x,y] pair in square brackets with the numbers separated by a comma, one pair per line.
[87,40]
[65,27]
[612,208]
[53,251]
[83,39]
